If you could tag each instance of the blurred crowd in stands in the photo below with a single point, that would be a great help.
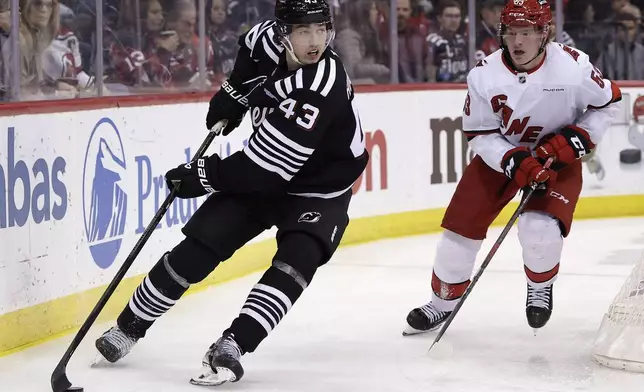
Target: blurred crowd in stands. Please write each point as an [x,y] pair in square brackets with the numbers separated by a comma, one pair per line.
[155,46]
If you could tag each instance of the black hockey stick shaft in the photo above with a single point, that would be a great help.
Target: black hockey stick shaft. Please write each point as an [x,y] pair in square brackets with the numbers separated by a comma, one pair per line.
[488,258]
[59,380]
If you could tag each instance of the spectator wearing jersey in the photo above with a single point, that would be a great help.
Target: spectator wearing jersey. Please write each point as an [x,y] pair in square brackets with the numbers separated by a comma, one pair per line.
[62,62]
[358,43]
[487,41]
[447,50]
[623,59]
[179,68]
[128,53]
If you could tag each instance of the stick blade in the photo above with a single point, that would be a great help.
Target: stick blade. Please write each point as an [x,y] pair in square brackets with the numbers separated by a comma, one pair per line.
[60,382]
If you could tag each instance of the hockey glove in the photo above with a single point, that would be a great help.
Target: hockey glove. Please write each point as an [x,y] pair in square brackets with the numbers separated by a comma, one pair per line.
[192,179]
[519,165]
[570,144]
[227,104]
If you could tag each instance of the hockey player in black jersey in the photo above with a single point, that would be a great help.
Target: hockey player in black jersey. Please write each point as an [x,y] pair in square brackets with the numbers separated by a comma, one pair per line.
[296,173]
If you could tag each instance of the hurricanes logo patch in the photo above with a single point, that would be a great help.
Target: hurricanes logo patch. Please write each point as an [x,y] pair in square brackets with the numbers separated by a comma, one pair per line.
[310,217]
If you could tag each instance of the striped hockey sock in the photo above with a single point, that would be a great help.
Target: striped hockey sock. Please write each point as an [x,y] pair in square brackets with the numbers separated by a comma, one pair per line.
[267,304]
[158,292]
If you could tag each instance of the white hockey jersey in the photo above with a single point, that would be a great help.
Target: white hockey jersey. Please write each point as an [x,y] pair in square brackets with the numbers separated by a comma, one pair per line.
[62,60]
[505,108]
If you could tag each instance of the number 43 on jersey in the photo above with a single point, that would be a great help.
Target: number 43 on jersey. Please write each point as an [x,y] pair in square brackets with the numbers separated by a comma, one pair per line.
[306,119]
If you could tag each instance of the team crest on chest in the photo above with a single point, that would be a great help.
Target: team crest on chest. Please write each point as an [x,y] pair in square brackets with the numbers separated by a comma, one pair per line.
[258,115]
[513,126]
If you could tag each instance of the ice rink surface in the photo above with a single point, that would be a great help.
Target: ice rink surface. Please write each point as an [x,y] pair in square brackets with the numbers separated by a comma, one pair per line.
[344,334]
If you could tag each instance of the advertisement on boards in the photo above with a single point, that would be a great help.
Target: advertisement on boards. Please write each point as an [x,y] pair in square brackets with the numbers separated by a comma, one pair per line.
[78,189]
[75,199]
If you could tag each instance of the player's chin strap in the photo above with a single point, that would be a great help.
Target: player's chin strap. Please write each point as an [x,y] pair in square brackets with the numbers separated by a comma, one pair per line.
[291,52]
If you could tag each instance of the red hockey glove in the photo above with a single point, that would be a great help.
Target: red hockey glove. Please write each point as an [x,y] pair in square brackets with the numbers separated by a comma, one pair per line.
[523,168]
[570,144]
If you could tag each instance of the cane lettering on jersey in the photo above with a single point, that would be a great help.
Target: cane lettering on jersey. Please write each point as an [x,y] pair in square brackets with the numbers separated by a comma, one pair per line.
[518,126]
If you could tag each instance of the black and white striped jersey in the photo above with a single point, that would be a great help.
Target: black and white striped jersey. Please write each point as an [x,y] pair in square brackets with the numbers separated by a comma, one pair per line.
[307,138]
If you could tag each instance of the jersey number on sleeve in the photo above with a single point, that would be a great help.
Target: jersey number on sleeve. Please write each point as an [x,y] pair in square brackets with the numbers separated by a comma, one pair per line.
[308,118]
[597,76]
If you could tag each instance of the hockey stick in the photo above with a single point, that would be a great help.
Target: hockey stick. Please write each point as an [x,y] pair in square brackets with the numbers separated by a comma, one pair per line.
[488,258]
[59,380]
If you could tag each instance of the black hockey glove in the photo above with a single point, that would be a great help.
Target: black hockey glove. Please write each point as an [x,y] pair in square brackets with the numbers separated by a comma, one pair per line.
[192,178]
[227,104]
[231,101]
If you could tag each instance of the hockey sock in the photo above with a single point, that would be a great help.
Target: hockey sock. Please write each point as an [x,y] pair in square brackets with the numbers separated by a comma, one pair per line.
[542,243]
[276,292]
[268,302]
[455,258]
[158,292]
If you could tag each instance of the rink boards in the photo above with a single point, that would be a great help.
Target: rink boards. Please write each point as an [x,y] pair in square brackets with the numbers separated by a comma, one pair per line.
[79,186]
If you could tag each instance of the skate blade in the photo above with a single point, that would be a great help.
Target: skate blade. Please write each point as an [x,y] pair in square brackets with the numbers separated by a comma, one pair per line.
[208,378]
[409,331]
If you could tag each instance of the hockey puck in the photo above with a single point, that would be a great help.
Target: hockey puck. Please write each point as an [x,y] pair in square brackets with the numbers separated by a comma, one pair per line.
[630,155]
[75,389]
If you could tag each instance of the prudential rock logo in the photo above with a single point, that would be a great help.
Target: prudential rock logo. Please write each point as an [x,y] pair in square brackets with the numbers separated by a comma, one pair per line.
[104,200]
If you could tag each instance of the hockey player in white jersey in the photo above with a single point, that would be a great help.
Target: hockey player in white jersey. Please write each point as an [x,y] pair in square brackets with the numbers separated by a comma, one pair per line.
[531,100]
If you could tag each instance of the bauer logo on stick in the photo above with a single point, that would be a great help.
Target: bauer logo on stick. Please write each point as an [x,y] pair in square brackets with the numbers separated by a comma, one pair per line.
[104,199]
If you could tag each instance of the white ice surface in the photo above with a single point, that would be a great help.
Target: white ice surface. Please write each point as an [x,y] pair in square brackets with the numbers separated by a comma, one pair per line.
[344,334]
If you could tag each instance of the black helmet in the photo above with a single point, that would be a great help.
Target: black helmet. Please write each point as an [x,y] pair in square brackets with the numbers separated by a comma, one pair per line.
[295,12]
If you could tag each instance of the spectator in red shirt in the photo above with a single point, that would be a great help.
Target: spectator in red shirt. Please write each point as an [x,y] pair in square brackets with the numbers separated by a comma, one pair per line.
[182,64]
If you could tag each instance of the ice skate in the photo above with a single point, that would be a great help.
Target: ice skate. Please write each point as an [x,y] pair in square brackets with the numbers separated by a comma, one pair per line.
[221,363]
[114,344]
[424,319]
[538,306]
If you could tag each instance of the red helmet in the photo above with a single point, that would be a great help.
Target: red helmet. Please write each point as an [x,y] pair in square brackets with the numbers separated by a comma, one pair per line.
[526,13]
